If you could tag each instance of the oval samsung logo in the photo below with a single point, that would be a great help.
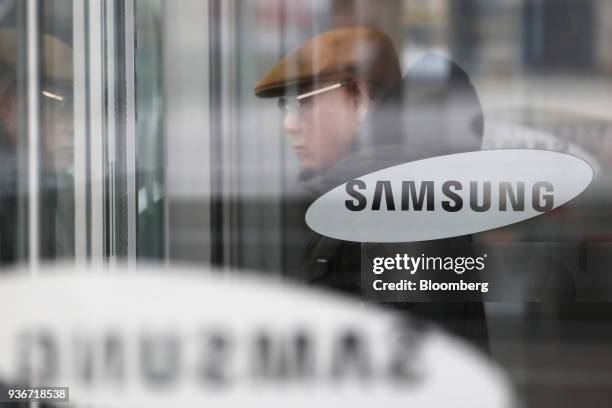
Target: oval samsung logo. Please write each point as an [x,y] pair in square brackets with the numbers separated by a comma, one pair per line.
[449,196]
[155,337]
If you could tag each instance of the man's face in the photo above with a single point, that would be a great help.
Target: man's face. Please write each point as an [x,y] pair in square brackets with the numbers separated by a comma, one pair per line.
[57,127]
[323,129]
[58,133]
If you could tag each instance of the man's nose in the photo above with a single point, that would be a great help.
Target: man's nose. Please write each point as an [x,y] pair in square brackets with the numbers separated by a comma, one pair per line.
[291,124]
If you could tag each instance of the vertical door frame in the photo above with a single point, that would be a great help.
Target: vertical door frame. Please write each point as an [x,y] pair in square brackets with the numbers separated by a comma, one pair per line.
[104,116]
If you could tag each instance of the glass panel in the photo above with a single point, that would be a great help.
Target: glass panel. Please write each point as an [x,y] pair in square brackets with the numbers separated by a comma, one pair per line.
[187,109]
[56,160]
[149,130]
[223,178]
[13,242]
[57,132]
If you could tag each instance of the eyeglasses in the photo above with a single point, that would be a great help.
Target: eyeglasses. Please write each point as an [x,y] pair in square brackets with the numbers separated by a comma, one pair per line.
[300,103]
[56,101]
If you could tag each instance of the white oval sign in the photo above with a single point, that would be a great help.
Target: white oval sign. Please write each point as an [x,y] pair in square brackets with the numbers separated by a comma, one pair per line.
[183,337]
[449,196]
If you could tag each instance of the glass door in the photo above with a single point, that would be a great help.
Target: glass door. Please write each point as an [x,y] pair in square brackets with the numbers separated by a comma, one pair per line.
[67,131]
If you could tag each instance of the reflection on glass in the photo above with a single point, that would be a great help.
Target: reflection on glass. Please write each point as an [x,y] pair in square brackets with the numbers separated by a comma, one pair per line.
[56,123]
[541,71]
[150,181]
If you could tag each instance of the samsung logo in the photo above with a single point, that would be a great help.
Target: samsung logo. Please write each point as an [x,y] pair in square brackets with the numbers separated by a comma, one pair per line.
[449,196]
[511,196]
[179,337]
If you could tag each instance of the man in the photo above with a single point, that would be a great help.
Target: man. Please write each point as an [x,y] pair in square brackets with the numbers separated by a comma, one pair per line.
[57,151]
[327,86]
[348,114]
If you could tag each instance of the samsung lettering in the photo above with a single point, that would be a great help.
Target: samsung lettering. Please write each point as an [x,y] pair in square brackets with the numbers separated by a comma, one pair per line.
[180,336]
[449,196]
[511,196]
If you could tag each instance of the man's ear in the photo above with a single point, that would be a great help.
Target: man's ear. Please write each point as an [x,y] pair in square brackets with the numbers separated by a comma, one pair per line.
[361,95]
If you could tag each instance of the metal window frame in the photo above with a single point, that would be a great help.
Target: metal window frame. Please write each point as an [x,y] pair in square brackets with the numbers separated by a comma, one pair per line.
[104,116]
[33,86]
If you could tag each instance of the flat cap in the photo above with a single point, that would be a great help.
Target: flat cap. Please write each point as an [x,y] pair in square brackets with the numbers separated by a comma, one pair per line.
[334,56]
[56,56]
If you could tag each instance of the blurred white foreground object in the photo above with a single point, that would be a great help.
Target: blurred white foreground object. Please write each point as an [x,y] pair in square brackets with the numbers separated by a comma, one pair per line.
[166,337]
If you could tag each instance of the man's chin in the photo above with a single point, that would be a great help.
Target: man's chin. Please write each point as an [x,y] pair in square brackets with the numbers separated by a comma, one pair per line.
[308,166]
[306,174]
[308,170]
